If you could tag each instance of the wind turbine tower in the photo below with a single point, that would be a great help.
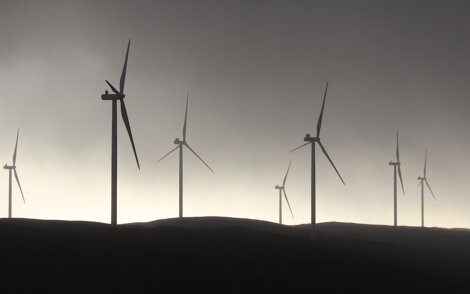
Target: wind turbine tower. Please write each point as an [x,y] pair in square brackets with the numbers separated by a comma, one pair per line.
[312,141]
[118,96]
[423,180]
[282,189]
[13,168]
[396,167]
[179,145]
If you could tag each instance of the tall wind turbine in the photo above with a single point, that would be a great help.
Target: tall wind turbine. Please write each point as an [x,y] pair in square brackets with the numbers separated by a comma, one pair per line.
[10,168]
[118,96]
[312,141]
[395,169]
[423,180]
[180,144]
[282,189]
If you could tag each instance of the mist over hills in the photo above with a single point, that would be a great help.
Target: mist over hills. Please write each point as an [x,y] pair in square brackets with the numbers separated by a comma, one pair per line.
[217,254]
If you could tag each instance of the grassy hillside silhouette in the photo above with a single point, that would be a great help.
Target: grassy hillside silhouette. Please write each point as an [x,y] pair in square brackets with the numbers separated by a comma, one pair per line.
[215,254]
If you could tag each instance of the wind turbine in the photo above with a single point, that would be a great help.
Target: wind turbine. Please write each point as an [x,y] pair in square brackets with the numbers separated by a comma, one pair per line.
[395,165]
[180,144]
[118,96]
[283,189]
[312,141]
[423,180]
[10,168]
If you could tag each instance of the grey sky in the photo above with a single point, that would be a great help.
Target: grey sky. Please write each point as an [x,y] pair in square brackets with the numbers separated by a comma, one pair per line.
[255,72]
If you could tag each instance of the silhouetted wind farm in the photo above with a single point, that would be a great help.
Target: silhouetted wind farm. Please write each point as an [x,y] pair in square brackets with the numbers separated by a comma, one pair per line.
[118,96]
[255,71]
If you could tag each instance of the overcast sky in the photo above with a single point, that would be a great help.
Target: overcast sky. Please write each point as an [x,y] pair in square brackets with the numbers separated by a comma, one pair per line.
[255,72]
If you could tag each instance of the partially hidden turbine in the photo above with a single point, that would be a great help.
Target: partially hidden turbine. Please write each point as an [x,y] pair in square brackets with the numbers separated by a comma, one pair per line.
[13,168]
[312,141]
[118,96]
[180,144]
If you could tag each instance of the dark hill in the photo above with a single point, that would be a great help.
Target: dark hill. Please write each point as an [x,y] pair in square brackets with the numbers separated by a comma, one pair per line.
[227,255]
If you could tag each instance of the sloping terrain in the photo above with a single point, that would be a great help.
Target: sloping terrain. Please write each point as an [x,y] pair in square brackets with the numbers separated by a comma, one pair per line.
[227,255]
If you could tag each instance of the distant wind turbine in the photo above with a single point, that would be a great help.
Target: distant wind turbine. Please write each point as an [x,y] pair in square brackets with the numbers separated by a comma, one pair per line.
[180,145]
[118,96]
[281,190]
[312,141]
[395,165]
[10,168]
[423,180]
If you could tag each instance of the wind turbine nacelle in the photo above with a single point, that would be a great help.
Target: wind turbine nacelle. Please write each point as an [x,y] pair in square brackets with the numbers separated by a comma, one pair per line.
[178,142]
[308,138]
[107,96]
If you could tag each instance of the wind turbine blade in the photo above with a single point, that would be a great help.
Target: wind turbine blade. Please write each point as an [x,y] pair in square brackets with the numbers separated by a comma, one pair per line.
[287,200]
[112,88]
[327,156]
[185,118]
[168,153]
[320,118]
[425,161]
[199,157]
[16,147]
[401,180]
[299,147]
[399,168]
[125,118]
[426,180]
[124,69]
[285,178]
[19,185]
[398,150]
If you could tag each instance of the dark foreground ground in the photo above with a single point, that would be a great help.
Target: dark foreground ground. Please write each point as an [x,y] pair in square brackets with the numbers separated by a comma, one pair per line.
[225,255]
